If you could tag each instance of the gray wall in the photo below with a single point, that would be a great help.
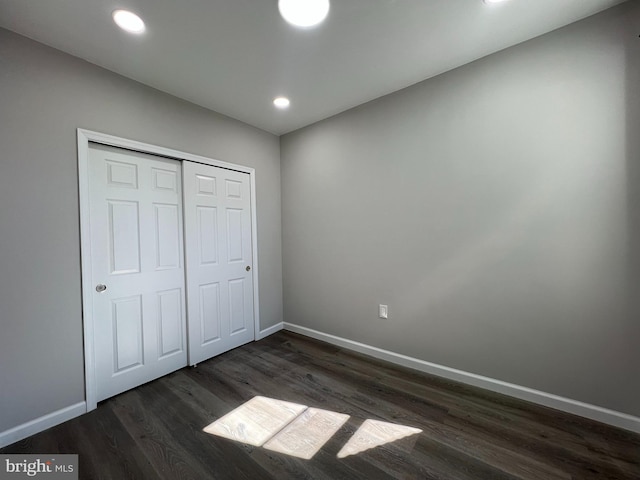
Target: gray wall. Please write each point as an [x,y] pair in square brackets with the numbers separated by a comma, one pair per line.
[494,208]
[44,96]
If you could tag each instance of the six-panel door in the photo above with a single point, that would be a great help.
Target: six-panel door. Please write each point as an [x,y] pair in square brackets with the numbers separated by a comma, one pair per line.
[137,268]
[217,206]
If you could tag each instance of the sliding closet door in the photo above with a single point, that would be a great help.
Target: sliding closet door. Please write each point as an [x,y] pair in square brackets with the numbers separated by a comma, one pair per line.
[217,213]
[137,268]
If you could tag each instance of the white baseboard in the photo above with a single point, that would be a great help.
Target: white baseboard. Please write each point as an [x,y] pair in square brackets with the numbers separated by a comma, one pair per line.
[40,424]
[600,414]
[55,418]
[269,331]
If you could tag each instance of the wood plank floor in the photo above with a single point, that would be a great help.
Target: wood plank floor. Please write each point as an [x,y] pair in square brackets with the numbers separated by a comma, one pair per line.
[156,430]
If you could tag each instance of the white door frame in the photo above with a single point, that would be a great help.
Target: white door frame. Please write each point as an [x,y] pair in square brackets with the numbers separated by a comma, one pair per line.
[86,136]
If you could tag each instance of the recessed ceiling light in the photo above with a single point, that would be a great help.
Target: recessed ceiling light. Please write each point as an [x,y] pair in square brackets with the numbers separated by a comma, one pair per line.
[493,1]
[128,21]
[281,102]
[304,13]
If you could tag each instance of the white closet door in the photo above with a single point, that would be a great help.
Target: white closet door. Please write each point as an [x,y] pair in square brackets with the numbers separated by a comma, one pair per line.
[137,268]
[217,211]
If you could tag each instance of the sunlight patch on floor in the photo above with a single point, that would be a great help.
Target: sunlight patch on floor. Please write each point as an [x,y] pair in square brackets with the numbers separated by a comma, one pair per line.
[300,431]
[374,433]
[256,421]
[307,434]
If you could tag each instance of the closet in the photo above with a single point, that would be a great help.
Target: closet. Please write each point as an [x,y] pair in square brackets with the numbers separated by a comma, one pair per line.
[170,264]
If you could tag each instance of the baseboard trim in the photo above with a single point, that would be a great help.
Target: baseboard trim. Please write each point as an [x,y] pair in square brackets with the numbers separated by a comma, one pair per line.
[269,331]
[593,412]
[55,418]
[38,425]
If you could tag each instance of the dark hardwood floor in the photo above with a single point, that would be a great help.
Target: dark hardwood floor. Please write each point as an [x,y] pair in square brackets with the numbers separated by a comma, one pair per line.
[155,430]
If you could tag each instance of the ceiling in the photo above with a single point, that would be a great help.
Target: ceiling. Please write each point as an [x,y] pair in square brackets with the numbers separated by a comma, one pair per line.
[235,56]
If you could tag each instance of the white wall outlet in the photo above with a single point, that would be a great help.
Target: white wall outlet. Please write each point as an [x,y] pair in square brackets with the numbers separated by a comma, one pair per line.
[383,311]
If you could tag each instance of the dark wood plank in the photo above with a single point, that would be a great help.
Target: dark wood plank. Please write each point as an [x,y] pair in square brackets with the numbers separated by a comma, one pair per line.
[156,430]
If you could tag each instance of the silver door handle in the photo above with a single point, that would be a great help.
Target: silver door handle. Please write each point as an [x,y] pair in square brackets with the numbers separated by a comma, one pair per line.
[100,288]
[248,268]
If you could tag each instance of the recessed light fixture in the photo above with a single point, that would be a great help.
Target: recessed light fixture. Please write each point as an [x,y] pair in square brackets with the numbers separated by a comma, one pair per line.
[304,13]
[281,102]
[490,2]
[128,21]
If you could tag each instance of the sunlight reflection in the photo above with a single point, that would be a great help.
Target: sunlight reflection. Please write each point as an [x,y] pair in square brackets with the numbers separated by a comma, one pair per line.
[299,431]
[256,421]
[307,434]
[374,433]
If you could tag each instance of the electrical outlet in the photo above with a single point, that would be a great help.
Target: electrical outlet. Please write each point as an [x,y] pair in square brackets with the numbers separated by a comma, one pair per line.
[383,311]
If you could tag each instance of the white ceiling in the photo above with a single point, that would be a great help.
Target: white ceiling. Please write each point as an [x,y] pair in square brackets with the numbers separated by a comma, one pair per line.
[235,56]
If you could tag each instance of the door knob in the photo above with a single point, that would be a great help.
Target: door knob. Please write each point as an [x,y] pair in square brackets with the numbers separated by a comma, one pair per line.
[248,268]
[100,288]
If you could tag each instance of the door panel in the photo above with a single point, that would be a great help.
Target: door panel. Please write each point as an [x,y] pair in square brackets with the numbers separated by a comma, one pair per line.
[207,235]
[124,247]
[236,305]
[127,333]
[167,236]
[170,322]
[210,312]
[217,210]
[135,203]
[234,234]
